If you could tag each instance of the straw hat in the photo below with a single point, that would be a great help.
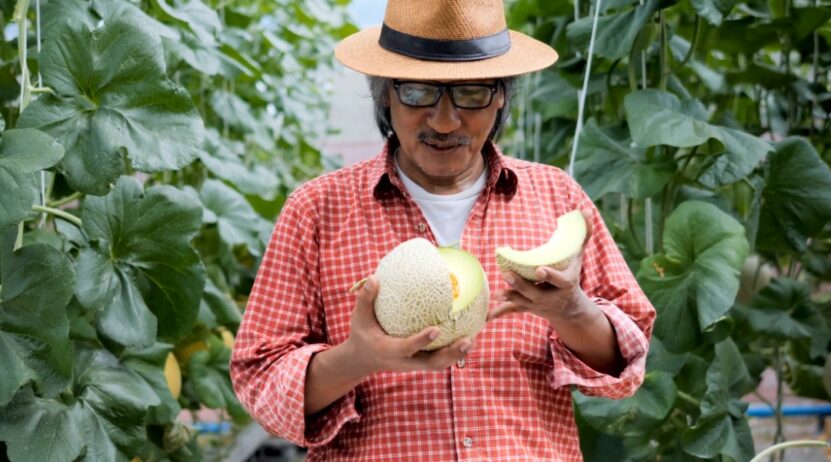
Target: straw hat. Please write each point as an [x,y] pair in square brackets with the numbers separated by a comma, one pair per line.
[443,40]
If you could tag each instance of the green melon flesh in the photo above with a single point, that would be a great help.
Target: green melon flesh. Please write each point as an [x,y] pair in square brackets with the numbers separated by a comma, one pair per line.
[564,244]
[467,271]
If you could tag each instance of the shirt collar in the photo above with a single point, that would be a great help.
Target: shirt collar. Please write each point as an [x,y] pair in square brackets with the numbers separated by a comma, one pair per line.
[501,178]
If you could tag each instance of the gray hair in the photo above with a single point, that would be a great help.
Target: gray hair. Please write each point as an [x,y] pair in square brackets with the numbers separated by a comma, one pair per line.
[379,89]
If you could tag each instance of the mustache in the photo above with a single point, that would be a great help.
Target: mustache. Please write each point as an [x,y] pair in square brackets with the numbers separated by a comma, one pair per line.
[443,138]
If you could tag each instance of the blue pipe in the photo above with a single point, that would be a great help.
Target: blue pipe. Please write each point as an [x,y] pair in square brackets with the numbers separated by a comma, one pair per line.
[213,427]
[763,410]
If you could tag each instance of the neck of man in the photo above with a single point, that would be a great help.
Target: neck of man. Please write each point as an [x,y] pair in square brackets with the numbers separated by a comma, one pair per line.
[452,183]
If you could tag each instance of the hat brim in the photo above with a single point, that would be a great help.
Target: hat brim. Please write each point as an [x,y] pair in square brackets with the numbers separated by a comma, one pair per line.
[361,52]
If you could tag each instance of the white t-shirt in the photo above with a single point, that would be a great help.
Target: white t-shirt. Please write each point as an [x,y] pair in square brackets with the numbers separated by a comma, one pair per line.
[446,214]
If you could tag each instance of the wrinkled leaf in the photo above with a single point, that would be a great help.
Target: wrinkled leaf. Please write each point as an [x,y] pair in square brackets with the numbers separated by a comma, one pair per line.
[23,153]
[606,162]
[694,282]
[104,419]
[633,416]
[659,118]
[211,380]
[143,263]
[37,283]
[783,309]
[112,99]
[222,159]
[796,199]
[149,363]
[237,221]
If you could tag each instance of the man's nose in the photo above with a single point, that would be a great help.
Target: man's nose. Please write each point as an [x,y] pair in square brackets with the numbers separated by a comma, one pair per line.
[444,117]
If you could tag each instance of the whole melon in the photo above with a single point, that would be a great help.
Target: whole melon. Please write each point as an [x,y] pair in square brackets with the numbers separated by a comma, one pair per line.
[422,286]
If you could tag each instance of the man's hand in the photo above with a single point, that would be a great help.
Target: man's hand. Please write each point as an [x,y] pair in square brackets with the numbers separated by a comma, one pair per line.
[375,351]
[558,296]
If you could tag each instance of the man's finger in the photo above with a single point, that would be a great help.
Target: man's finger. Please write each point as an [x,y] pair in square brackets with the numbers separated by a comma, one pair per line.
[367,294]
[587,216]
[557,278]
[417,342]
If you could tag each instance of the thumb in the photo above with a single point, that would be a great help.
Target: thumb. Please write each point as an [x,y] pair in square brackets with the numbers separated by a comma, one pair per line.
[367,294]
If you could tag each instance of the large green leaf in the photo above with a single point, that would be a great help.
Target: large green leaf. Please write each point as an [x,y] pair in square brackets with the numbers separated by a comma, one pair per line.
[37,282]
[660,118]
[606,162]
[633,416]
[615,34]
[237,221]
[142,259]
[112,99]
[22,154]
[721,428]
[784,309]
[149,363]
[694,282]
[103,420]
[796,199]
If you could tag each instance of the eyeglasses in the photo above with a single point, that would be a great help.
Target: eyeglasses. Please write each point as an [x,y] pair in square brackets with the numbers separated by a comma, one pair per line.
[462,95]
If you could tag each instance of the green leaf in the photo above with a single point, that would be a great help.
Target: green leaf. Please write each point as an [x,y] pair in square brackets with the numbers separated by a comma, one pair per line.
[784,309]
[606,162]
[23,153]
[796,199]
[112,99]
[223,158]
[104,420]
[615,33]
[637,415]
[201,19]
[223,310]
[149,363]
[237,221]
[143,259]
[37,283]
[659,118]
[211,379]
[721,428]
[661,359]
[694,282]
[713,11]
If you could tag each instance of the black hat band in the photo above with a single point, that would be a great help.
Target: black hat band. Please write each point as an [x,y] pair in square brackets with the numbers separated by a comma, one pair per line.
[444,50]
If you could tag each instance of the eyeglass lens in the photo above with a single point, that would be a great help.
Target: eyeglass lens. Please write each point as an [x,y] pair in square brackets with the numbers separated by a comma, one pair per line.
[463,96]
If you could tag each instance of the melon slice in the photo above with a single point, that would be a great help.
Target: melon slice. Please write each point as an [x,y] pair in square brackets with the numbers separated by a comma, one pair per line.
[423,286]
[557,253]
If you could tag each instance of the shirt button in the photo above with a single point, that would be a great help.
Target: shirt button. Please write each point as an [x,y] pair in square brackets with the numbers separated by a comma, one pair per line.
[460,363]
[467,442]
[422,227]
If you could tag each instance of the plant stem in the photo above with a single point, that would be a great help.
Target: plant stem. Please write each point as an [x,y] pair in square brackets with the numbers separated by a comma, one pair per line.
[689,399]
[789,444]
[58,213]
[65,200]
[779,436]
[693,44]
[664,53]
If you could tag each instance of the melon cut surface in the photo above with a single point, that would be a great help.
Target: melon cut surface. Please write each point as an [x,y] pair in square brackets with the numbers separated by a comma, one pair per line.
[422,286]
[565,243]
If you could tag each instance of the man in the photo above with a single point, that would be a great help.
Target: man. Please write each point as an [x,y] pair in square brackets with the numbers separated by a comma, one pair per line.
[312,364]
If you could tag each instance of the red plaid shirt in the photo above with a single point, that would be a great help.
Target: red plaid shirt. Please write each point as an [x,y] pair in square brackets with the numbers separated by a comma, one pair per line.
[508,401]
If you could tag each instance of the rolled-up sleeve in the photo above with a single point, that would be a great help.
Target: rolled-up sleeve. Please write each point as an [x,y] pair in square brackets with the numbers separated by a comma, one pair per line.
[282,329]
[608,281]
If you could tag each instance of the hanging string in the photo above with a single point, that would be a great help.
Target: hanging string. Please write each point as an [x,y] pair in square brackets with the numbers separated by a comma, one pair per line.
[649,238]
[40,85]
[582,95]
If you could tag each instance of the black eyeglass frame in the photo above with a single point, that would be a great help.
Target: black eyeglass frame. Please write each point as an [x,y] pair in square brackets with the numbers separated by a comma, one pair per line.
[446,86]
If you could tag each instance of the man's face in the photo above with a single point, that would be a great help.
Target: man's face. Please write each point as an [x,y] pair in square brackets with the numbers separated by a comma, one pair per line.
[441,144]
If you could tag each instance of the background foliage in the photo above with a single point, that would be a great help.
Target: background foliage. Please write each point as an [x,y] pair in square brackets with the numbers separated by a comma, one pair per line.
[147,147]
[706,143]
